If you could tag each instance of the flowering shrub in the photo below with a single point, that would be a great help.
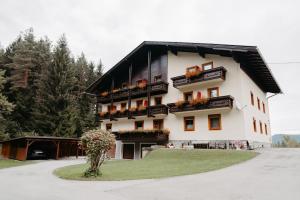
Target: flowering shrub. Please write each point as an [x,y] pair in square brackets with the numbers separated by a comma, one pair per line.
[132,109]
[141,108]
[96,144]
[198,101]
[195,71]
[104,94]
[142,85]
[179,103]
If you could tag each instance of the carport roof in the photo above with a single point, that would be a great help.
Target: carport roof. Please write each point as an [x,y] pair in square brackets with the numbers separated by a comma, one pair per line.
[40,138]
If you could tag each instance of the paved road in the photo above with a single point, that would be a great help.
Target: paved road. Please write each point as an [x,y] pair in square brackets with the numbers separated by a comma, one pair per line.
[275,174]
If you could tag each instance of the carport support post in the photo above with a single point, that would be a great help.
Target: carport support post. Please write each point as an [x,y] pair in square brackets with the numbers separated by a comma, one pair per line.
[26,149]
[57,150]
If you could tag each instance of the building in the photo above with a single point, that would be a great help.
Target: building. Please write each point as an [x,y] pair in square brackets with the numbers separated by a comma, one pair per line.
[206,95]
[40,147]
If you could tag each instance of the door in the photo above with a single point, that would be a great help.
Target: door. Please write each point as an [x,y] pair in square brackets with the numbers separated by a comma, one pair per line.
[128,151]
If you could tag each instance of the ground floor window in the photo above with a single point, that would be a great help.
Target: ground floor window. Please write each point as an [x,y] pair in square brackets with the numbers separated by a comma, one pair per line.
[260,127]
[158,124]
[254,124]
[214,122]
[189,123]
[139,125]
[108,127]
[266,129]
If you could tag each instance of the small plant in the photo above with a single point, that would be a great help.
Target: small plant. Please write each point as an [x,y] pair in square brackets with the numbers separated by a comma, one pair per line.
[113,112]
[179,103]
[116,90]
[122,110]
[198,101]
[142,85]
[96,144]
[141,108]
[104,94]
[132,109]
[194,71]
[102,114]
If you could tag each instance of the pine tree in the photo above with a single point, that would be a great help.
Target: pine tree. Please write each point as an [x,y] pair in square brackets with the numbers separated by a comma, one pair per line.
[99,69]
[57,103]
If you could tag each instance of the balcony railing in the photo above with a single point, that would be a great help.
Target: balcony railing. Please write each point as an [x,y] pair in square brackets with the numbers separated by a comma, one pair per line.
[207,75]
[212,103]
[122,94]
[153,110]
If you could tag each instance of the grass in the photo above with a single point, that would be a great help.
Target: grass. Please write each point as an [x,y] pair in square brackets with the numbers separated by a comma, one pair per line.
[160,163]
[5,163]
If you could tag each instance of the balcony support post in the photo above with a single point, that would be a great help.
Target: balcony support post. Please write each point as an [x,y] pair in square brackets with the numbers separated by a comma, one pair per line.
[149,84]
[129,90]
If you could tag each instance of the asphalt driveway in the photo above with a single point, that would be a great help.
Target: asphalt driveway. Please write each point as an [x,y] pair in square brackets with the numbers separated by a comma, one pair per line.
[275,174]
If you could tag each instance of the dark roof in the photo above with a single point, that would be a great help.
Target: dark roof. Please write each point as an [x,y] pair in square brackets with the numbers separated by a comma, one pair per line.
[39,138]
[249,57]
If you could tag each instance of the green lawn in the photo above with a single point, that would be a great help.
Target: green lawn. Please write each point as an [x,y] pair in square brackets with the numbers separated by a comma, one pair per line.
[12,163]
[161,163]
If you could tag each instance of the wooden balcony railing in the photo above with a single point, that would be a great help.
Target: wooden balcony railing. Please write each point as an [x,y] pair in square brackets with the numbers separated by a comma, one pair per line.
[207,75]
[212,103]
[122,94]
[153,110]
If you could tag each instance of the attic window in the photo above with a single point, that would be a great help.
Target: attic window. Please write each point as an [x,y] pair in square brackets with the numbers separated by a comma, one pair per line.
[207,66]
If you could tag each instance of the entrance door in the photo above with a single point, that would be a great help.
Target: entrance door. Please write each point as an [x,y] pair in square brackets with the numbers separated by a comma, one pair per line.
[128,151]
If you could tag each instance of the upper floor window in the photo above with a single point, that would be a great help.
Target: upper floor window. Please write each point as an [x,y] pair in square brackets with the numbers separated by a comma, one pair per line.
[157,100]
[188,96]
[111,108]
[254,124]
[157,78]
[189,123]
[158,124]
[214,122]
[139,103]
[258,103]
[213,92]
[260,127]
[108,127]
[264,107]
[252,98]
[139,125]
[207,66]
[123,106]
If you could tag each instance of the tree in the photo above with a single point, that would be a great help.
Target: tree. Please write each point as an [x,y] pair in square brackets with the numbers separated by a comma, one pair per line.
[56,92]
[96,144]
[99,69]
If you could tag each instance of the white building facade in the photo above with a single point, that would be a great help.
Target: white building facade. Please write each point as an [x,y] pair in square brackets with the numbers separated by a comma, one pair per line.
[178,94]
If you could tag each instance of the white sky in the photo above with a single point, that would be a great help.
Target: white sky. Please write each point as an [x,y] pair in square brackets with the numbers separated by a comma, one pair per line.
[111,29]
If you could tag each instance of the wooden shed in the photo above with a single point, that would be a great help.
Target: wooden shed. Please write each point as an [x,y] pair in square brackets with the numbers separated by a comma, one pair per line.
[52,147]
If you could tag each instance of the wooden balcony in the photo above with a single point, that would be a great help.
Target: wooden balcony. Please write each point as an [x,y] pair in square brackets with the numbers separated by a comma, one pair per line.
[143,135]
[225,102]
[122,94]
[215,74]
[153,110]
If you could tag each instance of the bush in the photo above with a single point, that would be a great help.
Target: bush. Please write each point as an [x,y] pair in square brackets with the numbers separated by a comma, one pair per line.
[96,144]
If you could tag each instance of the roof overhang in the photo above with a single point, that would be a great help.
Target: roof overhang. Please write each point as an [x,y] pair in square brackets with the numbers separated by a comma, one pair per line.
[249,57]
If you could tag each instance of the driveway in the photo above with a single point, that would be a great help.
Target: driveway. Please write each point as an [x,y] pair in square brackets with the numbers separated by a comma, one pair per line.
[275,174]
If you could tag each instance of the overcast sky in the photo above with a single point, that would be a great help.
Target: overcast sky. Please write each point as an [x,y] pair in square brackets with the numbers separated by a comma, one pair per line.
[111,29]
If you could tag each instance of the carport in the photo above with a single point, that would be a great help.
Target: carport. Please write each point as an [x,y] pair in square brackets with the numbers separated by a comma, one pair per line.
[53,147]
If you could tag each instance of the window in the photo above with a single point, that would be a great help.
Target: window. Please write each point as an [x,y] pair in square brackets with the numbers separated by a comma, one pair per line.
[139,125]
[214,122]
[252,99]
[123,106]
[264,108]
[111,108]
[189,123]
[157,100]
[157,78]
[260,127]
[158,124]
[266,129]
[213,92]
[139,103]
[258,103]
[188,96]
[124,85]
[207,66]
[254,124]
[108,127]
